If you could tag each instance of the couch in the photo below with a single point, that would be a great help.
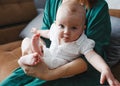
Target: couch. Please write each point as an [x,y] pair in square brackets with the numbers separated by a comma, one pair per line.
[15,17]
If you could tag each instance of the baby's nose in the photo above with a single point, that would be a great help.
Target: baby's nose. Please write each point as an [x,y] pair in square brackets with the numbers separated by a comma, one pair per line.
[66,31]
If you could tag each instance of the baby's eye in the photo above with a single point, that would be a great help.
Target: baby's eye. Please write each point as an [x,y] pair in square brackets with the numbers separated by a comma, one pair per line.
[61,26]
[74,28]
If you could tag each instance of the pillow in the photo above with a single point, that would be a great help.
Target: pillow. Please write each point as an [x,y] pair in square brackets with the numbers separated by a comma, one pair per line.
[115,24]
[39,4]
[114,47]
[36,23]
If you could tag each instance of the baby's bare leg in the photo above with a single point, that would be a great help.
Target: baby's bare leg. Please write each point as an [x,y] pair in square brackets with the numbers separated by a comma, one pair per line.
[30,59]
[36,45]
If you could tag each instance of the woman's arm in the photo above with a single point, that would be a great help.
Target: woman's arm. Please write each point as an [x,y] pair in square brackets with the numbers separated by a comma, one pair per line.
[70,69]
[43,72]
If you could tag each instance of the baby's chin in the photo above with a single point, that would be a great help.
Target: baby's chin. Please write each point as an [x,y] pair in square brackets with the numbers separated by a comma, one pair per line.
[66,40]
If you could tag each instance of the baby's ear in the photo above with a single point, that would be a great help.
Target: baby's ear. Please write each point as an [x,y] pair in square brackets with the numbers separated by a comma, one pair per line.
[84,27]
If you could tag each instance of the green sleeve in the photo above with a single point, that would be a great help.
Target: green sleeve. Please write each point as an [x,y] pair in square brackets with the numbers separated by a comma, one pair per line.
[50,13]
[99,26]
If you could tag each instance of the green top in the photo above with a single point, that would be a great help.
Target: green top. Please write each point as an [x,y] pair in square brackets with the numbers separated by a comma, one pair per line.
[98,28]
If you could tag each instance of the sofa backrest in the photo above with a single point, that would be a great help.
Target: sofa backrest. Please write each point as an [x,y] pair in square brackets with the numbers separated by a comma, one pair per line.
[16,11]
[14,16]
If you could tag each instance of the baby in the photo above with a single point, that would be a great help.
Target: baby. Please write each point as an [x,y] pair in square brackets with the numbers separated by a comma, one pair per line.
[68,40]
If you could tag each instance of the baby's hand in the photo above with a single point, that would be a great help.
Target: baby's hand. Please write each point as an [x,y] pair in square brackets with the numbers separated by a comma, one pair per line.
[34,31]
[107,75]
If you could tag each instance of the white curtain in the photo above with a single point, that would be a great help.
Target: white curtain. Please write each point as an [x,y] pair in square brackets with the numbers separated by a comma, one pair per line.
[113,4]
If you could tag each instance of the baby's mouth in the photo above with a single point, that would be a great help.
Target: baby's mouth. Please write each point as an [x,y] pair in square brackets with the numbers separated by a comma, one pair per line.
[65,38]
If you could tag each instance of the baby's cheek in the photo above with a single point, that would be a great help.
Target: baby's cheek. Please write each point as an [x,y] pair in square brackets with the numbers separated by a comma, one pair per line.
[60,34]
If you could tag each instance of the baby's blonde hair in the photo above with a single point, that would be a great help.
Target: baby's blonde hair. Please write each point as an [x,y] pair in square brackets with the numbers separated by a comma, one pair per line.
[72,7]
[86,3]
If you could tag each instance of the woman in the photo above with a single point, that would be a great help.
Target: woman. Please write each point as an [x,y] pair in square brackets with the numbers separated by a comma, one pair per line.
[98,28]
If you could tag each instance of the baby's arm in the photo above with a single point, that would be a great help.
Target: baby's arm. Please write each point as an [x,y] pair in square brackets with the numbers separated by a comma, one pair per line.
[97,61]
[46,33]
[43,33]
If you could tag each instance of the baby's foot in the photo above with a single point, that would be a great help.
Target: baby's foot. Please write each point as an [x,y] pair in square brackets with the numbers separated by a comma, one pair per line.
[25,46]
[30,59]
[35,44]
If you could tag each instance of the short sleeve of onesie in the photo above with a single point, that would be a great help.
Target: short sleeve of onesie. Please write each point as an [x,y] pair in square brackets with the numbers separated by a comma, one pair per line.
[86,44]
[53,34]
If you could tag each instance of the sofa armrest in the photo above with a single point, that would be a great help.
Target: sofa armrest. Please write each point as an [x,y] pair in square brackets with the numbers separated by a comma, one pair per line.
[114,12]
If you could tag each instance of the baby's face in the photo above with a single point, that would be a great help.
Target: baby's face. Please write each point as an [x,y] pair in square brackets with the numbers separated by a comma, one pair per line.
[70,27]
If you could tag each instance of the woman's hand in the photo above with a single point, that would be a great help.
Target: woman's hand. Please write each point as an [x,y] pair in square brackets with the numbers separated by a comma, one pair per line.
[40,70]
[43,72]
[107,75]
